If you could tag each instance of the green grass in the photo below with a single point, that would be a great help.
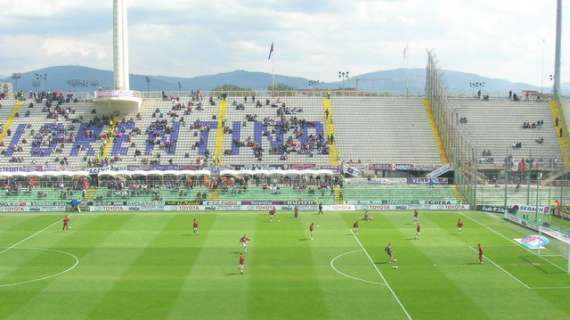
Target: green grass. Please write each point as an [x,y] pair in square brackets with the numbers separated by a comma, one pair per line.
[151,266]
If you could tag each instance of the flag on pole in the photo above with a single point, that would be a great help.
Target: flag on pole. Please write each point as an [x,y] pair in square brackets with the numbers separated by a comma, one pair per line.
[271,50]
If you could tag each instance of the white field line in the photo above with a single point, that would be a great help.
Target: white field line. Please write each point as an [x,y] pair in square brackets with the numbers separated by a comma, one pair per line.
[28,237]
[49,276]
[502,269]
[548,288]
[408,316]
[511,240]
[348,275]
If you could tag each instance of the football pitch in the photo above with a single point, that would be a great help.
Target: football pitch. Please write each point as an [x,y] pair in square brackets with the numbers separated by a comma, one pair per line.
[152,266]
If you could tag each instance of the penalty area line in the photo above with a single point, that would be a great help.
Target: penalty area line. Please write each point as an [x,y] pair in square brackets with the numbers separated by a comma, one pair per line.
[511,240]
[28,237]
[408,316]
[502,269]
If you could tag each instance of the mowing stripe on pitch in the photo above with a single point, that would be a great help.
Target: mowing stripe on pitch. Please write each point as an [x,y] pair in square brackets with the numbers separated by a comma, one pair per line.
[29,237]
[502,269]
[382,276]
[511,240]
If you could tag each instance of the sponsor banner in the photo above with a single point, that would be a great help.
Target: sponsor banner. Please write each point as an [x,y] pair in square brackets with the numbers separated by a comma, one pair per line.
[125,208]
[428,207]
[46,208]
[427,181]
[302,166]
[222,203]
[184,208]
[339,207]
[387,181]
[32,208]
[279,203]
[491,209]
[223,208]
[266,208]
[261,208]
[399,167]
[531,209]
[181,202]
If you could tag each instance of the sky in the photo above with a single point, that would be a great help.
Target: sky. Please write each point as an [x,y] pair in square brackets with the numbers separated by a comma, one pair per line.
[315,39]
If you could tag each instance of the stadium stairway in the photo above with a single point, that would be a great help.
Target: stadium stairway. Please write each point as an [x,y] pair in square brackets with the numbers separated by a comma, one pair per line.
[457,194]
[213,195]
[90,194]
[435,131]
[17,107]
[338,195]
[564,140]
[109,144]
[330,131]
[333,151]
[218,157]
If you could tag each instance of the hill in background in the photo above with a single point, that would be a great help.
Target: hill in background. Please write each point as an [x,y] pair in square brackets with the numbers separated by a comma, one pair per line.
[80,78]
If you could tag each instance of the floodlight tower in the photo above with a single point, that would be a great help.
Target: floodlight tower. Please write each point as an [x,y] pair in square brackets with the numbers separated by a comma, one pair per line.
[556,89]
[121,99]
[120,46]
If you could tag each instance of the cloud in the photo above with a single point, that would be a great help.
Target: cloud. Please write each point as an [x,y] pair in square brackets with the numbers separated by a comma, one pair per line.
[314,39]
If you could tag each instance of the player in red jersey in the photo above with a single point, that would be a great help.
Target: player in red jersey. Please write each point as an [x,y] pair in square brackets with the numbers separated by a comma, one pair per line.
[312,231]
[244,242]
[418,230]
[481,254]
[66,223]
[195,226]
[460,225]
[241,263]
[355,227]
[272,214]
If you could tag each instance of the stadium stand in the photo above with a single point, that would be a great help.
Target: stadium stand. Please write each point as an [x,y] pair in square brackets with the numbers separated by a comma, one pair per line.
[384,130]
[497,126]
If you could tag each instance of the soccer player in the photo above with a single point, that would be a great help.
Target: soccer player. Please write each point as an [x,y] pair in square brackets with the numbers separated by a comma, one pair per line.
[481,253]
[312,231]
[244,242]
[416,216]
[388,250]
[195,226]
[296,212]
[272,214]
[66,223]
[418,230]
[460,225]
[366,216]
[241,263]
[320,208]
[355,227]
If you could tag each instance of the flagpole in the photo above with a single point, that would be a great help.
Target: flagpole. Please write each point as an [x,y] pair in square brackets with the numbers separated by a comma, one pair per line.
[273,75]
